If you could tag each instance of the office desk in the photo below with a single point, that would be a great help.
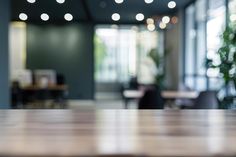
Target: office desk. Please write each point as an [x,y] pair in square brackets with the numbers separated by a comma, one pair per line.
[51,88]
[53,92]
[67,133]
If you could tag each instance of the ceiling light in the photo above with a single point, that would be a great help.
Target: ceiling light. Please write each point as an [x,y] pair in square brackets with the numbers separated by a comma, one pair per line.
[119,1]
[174,20]
[162,25]
[148,1]
[68,17]
[166,19]
[44,17]
[150,21]
[115,17]
[23,16]
[31,1]
[60,1]
[151,27]
[139,17]
[172,4]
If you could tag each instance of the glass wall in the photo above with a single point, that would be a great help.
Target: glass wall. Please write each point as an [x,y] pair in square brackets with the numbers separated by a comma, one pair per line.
[119,51]
[232,10]
[201,15]
[204,22]
[216,17]
[115,54]
[190,37]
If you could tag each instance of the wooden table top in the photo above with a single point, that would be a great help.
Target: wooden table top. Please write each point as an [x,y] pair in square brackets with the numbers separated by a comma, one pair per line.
[50,87]
[165,94]
[75,133]
[180,94]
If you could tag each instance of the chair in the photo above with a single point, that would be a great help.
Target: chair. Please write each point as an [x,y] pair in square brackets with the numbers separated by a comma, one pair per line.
[60,97]
[206,100]
[152,99]
[133,83]
[60,79]
[16,95]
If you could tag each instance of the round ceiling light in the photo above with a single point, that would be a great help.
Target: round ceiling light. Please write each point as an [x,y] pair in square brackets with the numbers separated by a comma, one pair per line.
[68,17]
[44,17]
[150,21]
[151,27]
[162,25]
[115,17]
[119,1]
[172,4]
[148,1]
[174,20]
[166,19]
[60,1]
[31,1]
[139,17]
[23,16]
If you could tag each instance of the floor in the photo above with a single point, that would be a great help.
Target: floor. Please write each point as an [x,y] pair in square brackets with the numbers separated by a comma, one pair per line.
[103,101]
[101,104]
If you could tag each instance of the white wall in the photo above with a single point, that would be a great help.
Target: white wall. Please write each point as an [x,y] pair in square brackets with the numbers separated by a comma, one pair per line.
[17,41]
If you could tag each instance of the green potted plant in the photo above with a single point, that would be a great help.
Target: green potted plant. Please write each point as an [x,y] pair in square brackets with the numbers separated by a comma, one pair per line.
[159,63]
[227,64]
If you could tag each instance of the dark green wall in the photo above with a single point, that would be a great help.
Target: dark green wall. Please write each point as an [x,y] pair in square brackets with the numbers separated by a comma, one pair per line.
[4,54]
[68,49]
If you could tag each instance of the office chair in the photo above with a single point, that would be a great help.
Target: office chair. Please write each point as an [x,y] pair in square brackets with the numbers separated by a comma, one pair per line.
[60,79]
[16,95]
[60,97]
[152,99]
[206,100]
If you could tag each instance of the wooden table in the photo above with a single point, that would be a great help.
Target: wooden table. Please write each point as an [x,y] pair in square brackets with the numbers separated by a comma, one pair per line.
[80,133]
[168,95]
[51,88]
[165,94]
[179,94]
[33,93]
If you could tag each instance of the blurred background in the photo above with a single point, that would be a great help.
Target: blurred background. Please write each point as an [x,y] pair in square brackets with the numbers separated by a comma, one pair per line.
[117,54]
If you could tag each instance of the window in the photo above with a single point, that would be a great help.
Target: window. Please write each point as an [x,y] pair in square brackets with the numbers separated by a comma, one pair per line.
[232,10]
[216,17]
[119,51]
[195,46]
[201,14]
[190,47]
[204,22]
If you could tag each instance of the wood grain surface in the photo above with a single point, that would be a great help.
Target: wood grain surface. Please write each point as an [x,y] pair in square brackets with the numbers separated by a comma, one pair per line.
[79,133]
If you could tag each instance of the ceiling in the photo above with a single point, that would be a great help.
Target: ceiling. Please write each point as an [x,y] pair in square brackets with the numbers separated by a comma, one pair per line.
[97,11]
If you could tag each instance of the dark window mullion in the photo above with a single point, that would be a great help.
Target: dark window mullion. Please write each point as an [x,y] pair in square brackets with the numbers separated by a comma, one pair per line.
[227,12]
